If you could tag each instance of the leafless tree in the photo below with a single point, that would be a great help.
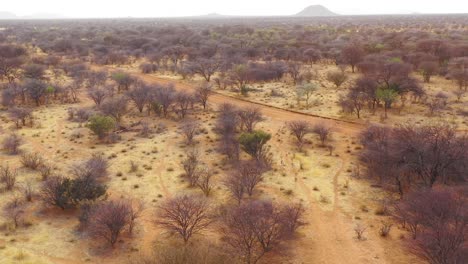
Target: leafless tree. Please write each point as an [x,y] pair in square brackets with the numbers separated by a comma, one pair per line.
[299,129]
[250,174]
[235,186]
[20,115]
[140,95]
[165,97]
[437,219]
[97,94]
[183,102]
[95,167]
[204,181]
[189,129]
[109,219]
[323,131]
[15,210]
[202,93]
[184,215]
[249,118]
[257,227]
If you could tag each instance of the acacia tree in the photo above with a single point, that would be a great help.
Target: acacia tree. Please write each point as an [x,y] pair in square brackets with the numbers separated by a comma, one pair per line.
[165,97]
[337,77]
[408,156]
[184,215]
[250,174]
[202,93]
[123,80]
[97,95]
[304,92]
[36,90]
[354,102]
[189,129]
[109,219]
[205,67]
[140,95]
[249,118]
[299,129]
[11,59]
[115,107]
[101,125]
[255,228]
[388,96]
[20,115]
[428,69]
[254,143]
[323,131]
[352,54]
[437,219]
[226,125]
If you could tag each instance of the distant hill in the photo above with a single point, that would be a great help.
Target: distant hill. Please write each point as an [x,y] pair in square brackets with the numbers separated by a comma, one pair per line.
[7,15]
[316,11]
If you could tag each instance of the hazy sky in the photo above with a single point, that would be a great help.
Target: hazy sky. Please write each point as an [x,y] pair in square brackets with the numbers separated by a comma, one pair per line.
[158,8]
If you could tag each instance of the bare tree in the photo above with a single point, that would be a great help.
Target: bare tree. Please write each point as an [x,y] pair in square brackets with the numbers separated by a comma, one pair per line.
[299,129]
[202,93]
[250,174]
[165,97]
[204,181]
[20,115]
[254,228]
[140,95]
[108,220]
[437,219]
[15,210]
[235,186]
[189,129]
[183,102]
[97,94]
[249,118]
[184,215]
[323,131]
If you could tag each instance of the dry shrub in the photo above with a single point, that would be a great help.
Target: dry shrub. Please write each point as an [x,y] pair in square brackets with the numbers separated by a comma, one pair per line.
[8,177]
[32,160]
[12,143]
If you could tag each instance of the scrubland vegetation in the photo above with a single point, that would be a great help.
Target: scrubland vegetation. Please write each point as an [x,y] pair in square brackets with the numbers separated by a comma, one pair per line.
[274,140]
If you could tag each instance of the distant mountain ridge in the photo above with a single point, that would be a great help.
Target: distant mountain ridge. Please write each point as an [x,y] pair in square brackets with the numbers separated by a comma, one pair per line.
[316,11]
